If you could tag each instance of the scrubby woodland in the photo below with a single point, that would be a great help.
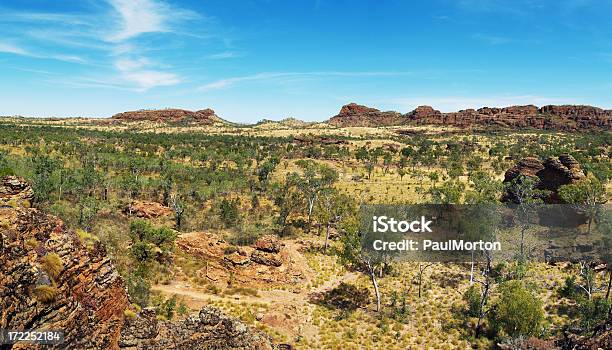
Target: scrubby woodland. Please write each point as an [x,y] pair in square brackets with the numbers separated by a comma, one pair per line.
[264,225]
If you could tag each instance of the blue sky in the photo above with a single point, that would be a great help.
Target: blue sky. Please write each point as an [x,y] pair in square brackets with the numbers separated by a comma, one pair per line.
[250,59]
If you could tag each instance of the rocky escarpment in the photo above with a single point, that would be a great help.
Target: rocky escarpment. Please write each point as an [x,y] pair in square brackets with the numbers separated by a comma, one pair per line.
[204,116]
[209,330]
[550,117]
[49,280]
[353,114]
[564,118]
[550,174]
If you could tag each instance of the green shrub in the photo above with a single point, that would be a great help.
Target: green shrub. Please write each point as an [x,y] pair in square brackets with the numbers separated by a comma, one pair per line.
[518,311]
[139,290]
[142,252]
[346,297]
[167,308]
[182,309]
[472,299]
[592,312]
[569,287]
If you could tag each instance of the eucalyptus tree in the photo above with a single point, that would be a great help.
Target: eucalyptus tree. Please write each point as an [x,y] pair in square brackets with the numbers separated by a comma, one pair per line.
[587,195]
[331,208]
[315,178]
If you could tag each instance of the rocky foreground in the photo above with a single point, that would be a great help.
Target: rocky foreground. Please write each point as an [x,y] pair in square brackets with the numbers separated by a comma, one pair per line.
[561,118]
[49,279]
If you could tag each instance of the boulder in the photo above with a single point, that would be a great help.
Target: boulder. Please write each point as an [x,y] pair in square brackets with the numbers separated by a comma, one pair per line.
[550,174]
[147,209]
[16,191]
[237,259]
[269,243]
[265,258]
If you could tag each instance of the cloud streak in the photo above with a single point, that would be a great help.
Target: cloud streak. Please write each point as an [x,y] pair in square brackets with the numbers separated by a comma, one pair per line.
[16,50]
[229,82]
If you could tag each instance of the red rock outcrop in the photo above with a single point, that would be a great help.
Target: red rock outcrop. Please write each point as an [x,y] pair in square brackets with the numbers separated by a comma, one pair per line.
[210,330]
[204,116]
[562,118]
[566,118]
[353,114]
[550,174]
[49,280]
[268,243]
[147,209]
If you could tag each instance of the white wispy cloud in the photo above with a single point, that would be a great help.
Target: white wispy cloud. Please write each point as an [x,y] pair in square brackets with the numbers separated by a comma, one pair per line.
[224,55]
[138,72]
[147,79]
[10,48]
[455,103]
[109,37]
[16,50]
[228,82]
[134,18]
[138,17]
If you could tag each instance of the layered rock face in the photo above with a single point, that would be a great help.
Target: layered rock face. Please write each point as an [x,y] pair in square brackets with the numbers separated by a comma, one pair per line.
[353,114]
[564,118]
[550,174]
[210,330]
[49,280]
[204,116]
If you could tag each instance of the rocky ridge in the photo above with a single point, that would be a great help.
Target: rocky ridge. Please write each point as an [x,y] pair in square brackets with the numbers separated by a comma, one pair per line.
[353,114]
[550,117]
[49,279]
[204,116]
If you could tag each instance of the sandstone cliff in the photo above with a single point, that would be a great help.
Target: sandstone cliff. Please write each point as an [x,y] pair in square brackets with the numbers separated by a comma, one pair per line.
[563,118]
[566,118]
[353,114]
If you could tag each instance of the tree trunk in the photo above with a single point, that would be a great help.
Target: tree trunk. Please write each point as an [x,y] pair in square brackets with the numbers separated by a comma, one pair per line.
[311,202]
[376,291]
[589,225]
[609,284]
[326,238]
[485,296]
[523,229]
[472,270]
